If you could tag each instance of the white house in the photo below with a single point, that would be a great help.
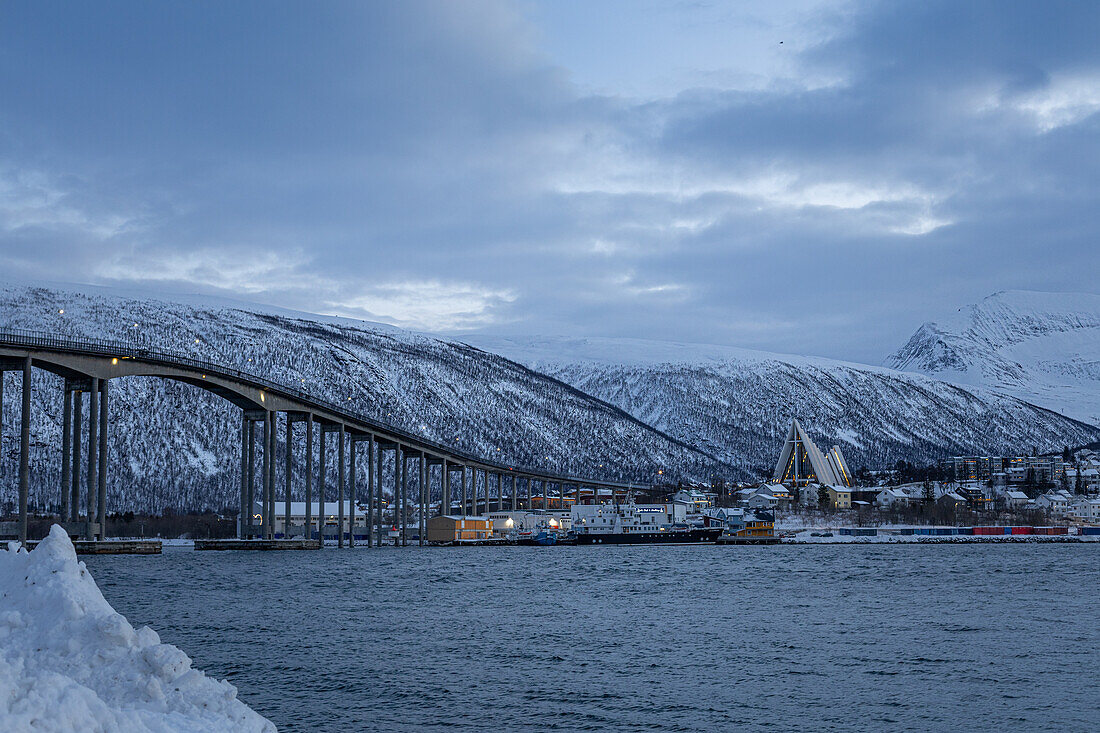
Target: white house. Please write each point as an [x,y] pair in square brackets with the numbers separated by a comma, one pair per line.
[1085,509]
[1055,502]
[696,500]
[1014,499]
[762,500]
[892,498]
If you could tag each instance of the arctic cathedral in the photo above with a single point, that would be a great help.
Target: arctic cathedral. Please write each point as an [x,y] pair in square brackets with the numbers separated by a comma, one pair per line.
[801,462]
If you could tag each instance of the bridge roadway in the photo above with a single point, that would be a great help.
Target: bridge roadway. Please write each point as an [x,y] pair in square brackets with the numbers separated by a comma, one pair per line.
[88,365]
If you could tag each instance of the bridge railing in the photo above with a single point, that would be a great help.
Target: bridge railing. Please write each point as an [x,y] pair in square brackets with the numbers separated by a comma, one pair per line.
[137,349]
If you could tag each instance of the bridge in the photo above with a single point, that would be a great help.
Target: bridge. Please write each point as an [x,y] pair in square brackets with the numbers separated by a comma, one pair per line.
[88,365]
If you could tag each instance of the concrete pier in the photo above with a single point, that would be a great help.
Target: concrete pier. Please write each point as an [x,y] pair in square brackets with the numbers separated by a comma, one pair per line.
[25,451]
[370,492]
[66,451]
[74,488]
[423,525]
[321,480]
[101,481]
[309,477]
[93,448]
[112,547]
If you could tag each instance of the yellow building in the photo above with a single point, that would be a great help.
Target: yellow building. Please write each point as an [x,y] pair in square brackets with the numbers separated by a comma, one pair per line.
[840,497]
[756,527]
[457,529]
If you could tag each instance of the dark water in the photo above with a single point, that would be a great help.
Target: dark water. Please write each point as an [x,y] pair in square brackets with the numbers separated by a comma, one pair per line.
[637,638]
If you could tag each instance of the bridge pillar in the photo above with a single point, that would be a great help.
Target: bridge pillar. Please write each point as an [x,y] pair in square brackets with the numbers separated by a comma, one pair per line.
[370,491]
[66,450]
[265,458]
[377,488]
[269,475]
[340,478]
[404,499]
[309,477]
[515,490]
[423,497]
[245,514]
[25,451]
[93,443]
[445,504]
[465,480]
[398,494]
[500,492]
[289,473]
[321,480]
[101,503]
[77,428]
[351,491]
[251,473]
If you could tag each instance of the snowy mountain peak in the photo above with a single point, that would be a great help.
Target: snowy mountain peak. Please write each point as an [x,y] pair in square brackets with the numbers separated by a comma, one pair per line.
[1041,347]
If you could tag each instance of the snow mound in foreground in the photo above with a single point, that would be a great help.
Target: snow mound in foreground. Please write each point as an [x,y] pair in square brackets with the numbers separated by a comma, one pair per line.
[70,662]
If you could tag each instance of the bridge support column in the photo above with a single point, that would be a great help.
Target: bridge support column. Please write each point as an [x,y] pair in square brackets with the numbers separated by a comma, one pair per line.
[370,492]
[66,450]
[269,474]
[445,504]
[379,518]
[340,478]
[465,480]
[101,503]
[25,451]
[423,498]
[77,428]
[93,448]
[245,514]
[321,480]
[309,476]
[351,491]
[251,474]
[404,499]
[500,492]
[289,473]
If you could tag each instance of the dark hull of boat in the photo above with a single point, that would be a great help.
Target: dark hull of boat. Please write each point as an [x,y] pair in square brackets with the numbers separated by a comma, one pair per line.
[706,534]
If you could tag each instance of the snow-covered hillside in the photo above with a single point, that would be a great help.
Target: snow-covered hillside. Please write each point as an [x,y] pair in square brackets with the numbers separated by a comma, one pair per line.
[1041,347]
[738,403]
[173,444]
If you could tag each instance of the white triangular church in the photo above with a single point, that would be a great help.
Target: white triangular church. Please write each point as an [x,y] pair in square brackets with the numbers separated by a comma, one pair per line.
[801,462]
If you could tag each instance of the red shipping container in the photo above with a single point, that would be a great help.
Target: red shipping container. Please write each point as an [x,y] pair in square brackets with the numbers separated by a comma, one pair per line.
[1021,530]
[1059,530]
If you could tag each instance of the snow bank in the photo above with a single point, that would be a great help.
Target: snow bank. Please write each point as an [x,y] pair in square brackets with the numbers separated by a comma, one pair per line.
[70,662]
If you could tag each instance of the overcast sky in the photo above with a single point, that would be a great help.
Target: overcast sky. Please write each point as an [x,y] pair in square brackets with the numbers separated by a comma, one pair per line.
[794,175]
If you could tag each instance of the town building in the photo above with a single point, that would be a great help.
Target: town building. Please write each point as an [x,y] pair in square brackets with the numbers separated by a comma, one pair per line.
[298,519]
[1056,503]
[453,528]
[1086,509]
[840,497]
[802,463]
[892,499]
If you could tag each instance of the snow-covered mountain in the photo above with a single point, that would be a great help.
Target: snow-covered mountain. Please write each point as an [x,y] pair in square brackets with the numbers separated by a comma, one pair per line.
[738,403]
[173,444]
[1041,347]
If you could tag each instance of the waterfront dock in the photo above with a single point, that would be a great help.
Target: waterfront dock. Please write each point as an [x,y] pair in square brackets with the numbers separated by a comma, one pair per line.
[112,547]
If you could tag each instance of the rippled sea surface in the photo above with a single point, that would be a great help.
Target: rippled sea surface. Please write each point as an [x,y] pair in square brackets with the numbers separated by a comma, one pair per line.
[651,638]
